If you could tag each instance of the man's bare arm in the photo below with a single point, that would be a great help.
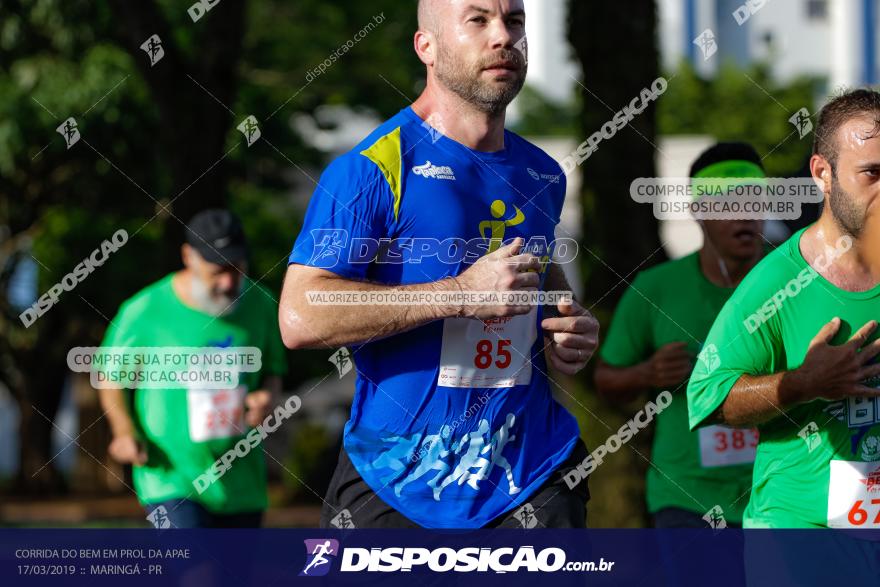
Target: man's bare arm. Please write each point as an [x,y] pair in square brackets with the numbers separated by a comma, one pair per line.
[113,402]
[755,400]
[828,372]
[305,325]
[667,368]
[621,384]
[125,447]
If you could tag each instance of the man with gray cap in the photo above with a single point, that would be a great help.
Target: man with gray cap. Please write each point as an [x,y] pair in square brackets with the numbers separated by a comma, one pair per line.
[174,435]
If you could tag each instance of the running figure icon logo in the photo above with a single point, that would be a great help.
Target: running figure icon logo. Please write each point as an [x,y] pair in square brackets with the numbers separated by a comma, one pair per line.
[153,48]
[526,516]
[497,227]
[69,130]
[319,553]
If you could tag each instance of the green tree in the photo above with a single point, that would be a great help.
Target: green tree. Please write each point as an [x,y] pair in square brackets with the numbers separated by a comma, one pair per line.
[158,143]
[618,55]
[741,105]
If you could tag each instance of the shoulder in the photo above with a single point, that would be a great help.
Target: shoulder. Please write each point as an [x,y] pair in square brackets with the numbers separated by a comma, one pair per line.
[543,163]
[379,156]
[654,279]
[773,272]
[148,297]
[533,152]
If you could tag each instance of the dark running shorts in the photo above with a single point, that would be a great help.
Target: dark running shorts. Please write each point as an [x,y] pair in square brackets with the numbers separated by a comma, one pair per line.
[351,503]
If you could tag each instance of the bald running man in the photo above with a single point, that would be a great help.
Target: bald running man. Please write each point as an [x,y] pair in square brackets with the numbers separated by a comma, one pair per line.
[453,423]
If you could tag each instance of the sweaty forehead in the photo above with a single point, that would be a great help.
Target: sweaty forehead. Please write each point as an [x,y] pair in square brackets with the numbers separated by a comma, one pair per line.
[859,135]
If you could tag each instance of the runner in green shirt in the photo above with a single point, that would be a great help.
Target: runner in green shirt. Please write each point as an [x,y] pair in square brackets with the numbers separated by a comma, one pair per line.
[173,436]
[793,351]
[658,328]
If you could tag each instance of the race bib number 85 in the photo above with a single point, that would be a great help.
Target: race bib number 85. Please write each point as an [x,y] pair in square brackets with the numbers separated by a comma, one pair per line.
[491,353]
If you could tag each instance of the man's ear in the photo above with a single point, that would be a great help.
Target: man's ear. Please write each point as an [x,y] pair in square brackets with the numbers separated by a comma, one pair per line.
[186,255]
[820,169]
[425,46]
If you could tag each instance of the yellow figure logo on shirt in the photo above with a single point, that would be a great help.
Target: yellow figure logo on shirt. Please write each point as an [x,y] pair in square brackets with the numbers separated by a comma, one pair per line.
[498,226]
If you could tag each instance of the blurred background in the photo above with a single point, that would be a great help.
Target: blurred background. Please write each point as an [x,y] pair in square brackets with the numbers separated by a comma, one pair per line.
[159,142]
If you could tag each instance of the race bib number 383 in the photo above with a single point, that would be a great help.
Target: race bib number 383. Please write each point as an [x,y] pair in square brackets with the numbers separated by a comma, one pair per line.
[490,353]
[854,495]
[721,446]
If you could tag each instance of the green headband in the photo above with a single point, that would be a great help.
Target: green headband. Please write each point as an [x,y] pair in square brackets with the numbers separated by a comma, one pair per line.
[720,176]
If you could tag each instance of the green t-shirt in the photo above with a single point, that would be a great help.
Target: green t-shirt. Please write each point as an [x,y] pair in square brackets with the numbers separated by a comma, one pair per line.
[818,464]
[674,302]
[184,436]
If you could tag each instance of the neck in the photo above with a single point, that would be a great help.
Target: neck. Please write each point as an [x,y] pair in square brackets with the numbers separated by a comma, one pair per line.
[711,263]
[825,249]
[460,120]
[180,284]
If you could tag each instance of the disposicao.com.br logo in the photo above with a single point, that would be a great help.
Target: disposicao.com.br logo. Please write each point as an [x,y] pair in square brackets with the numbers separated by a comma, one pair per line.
[319,554]
[441,560]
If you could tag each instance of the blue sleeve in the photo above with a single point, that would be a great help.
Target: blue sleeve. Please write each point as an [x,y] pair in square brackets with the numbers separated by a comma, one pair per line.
[350,210]
[560,197]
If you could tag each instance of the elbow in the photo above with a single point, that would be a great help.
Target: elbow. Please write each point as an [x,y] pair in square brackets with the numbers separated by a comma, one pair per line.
[294,333]
[292,340]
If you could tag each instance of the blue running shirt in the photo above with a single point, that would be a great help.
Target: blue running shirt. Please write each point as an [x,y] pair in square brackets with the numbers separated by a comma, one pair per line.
[453,423]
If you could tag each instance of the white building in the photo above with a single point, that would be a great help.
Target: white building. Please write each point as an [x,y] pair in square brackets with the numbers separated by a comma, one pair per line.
[833,39]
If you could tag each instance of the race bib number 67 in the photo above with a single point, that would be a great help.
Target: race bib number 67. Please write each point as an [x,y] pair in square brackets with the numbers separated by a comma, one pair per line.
[854,495]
